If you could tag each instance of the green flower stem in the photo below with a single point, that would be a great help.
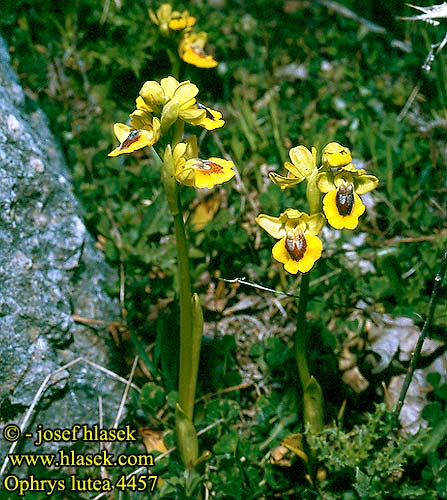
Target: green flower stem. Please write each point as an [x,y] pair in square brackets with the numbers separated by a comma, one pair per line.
[189,353]
[174,59]
[191,319]
[186,399]
[300,333]
[177,135]
[313,194]
[313,402]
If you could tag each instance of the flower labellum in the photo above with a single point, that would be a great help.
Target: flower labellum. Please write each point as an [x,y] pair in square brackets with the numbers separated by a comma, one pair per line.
[200,173]
[345,198]
[298,247]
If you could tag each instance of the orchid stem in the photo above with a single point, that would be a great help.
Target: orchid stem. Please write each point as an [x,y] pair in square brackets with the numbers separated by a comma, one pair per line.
[191,319]
[313,401]
[301,333]
[184,284]
[175,63]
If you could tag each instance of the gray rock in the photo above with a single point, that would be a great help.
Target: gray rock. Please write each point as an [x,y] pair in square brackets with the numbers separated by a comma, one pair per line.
[49,270]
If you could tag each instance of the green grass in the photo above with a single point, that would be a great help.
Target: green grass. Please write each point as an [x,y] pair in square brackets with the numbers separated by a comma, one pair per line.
[84,62]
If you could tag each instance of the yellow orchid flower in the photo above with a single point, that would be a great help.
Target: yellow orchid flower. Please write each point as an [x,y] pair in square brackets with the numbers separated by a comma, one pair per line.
[212,119]
[191,50]
[198,173]
[181,20]
[298,247]
[335,155]
[303,164]
[155,95]
[132,139]
[342,204]
[169,19]
[173,100]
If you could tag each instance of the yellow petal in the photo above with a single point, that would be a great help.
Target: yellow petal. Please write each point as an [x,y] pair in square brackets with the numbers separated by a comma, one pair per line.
[359,207]
[280,253]
[206,173]
[135,140]
[180,23]
[314,247]
[306,262]
[191,50]
[292,266]
[284,182]
[152,94]
[334,218]
[179,150]
[336,155]
[216,171]
[169,86]
[185,94]
[197,57]
[142,104]
[121,131]
[210,120]
[303,162]
[141,119]
[272,225]
[192,114]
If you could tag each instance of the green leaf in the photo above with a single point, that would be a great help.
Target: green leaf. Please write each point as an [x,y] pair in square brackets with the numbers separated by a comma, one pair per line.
[227,443]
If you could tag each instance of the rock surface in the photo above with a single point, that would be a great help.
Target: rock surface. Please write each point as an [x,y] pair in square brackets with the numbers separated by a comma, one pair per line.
[49,270]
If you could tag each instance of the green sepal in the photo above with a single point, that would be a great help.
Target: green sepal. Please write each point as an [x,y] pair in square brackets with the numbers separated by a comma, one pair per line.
[365,183]
[284,182]
[169,115]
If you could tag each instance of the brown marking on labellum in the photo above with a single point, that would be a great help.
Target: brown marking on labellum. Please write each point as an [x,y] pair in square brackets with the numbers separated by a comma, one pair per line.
[130,139]
[296,244]
[199,51]
[344,198]
[208,113]
[209,167]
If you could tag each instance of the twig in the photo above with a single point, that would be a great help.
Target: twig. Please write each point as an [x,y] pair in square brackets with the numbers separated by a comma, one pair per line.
[125,394]
[43,387]
[226,390]
[123,399]
[243,281]
[427,325]
[162,455]
[409,102]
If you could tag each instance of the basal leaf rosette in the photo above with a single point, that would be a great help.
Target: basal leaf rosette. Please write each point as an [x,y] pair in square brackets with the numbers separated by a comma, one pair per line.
[131,139]
[192,50]
[298,247]
[303,164]
[342,204]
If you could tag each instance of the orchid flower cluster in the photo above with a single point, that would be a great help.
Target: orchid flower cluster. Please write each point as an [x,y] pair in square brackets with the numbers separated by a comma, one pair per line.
[162,109]
[190,45]
[159,107]
[333,195]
